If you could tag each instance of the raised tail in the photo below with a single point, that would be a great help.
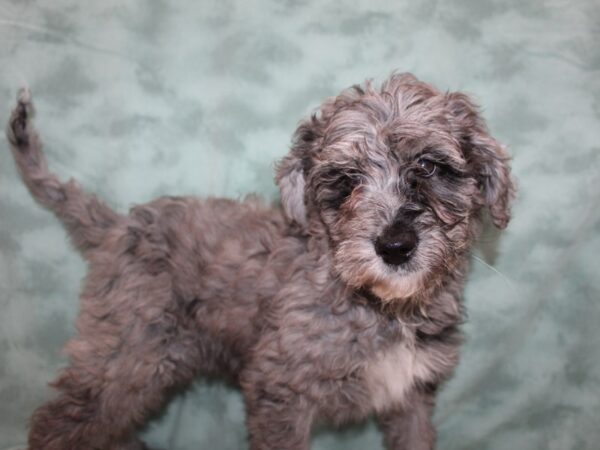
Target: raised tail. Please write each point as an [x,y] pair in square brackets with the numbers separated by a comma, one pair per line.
[86,218]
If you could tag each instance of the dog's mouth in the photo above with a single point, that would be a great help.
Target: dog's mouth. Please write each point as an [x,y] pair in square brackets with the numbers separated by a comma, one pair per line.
[395,271]
[392,284]
[399,260]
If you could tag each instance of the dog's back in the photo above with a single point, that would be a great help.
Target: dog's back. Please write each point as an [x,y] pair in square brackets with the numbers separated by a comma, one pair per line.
[173,290]
[210,261]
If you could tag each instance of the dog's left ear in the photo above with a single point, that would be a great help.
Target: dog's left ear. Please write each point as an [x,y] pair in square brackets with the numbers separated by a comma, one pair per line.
[487,158]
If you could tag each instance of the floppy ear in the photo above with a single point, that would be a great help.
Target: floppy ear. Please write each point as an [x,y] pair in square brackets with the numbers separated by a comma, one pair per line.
[487,158]
[291,171]
[290,179]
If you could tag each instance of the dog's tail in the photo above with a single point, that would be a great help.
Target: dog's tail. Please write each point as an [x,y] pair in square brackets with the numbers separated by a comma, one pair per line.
[86,218]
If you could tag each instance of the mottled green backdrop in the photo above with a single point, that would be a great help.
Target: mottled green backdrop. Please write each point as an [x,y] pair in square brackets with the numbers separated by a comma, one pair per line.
[142,98]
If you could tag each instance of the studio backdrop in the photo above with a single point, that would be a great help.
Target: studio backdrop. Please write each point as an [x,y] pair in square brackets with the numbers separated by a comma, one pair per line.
[138,99]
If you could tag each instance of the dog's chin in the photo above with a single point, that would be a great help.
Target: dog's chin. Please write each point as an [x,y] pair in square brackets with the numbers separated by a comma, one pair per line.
[386,284]
[398,287]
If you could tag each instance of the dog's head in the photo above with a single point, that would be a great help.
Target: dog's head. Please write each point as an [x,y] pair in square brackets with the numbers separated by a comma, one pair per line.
[396,178]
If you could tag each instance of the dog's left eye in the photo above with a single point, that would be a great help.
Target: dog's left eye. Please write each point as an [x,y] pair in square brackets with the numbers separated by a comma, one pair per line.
[426,167]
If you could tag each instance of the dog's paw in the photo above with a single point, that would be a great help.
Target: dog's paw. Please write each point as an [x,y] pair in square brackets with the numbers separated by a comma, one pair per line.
[17,130]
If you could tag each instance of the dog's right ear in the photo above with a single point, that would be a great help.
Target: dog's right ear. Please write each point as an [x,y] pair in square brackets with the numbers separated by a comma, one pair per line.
[292,170]
[290,179]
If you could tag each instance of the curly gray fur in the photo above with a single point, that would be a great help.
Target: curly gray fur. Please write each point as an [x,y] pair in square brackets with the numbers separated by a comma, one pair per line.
[293,305]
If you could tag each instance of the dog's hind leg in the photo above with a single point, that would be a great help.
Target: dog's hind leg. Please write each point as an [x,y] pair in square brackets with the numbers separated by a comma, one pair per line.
[132,352]
[86,218]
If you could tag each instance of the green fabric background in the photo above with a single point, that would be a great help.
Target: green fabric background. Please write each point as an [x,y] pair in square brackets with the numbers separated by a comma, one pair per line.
[142,98]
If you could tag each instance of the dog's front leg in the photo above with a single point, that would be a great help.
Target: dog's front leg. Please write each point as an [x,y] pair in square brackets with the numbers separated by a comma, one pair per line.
[409,427]
[277,418]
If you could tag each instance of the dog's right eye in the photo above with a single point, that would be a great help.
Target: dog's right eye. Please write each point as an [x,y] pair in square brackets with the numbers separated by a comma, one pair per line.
[338,186]
[346,185]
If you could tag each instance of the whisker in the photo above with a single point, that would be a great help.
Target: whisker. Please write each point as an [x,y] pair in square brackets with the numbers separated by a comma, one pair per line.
[493,269]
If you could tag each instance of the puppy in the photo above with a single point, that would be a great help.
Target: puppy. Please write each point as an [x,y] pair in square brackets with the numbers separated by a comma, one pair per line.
[343,303]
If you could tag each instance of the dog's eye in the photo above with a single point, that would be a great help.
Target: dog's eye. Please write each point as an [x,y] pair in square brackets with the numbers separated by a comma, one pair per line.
[426,167]
[337,186]
[346,184]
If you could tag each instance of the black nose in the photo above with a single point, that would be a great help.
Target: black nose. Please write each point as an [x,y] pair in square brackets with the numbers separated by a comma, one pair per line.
[397,244]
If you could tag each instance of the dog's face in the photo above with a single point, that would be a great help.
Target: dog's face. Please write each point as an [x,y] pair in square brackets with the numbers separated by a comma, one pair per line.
[396,178]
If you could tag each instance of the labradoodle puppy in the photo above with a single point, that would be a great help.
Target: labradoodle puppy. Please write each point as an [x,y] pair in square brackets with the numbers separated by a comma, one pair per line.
[344,302]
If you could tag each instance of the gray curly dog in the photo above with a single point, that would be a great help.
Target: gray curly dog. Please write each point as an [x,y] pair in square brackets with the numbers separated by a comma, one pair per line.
[343,303]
